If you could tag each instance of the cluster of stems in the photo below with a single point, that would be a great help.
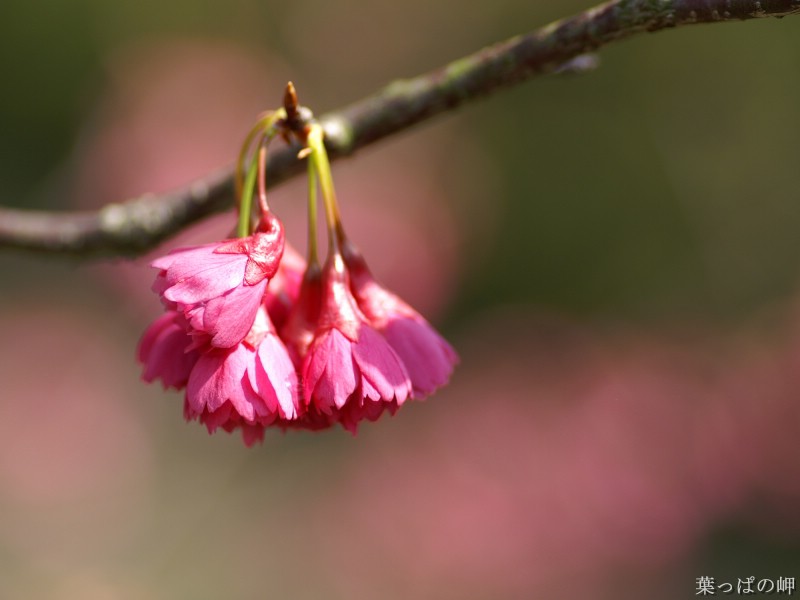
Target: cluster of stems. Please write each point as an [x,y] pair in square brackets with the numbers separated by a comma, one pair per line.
[289,121]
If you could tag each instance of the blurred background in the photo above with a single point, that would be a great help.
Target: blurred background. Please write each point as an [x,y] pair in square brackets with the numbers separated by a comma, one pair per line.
[615,256]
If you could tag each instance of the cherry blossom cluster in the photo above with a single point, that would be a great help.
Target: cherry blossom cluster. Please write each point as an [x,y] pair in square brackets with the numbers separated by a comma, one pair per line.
[258,337]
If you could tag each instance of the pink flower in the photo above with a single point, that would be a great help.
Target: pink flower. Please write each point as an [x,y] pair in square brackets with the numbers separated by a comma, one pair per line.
[348,363]
[166,351]
[356,357]
[219,287]
[247,387]
[429,360]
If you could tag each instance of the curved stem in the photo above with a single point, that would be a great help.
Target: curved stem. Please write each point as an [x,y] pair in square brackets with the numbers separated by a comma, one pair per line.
[265,125]
[246,202]
[263,205]
[259,127]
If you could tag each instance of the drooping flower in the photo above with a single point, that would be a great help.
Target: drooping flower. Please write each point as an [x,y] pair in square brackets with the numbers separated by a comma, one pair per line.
[259,337]
[348,362]
[166,351]
[246,387]
[428,358]
[219,287]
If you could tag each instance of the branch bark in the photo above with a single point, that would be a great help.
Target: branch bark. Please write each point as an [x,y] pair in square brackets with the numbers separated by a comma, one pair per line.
[133,227]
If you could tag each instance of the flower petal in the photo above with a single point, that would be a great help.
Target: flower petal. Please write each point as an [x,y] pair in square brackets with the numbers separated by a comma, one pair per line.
[383,374]
[202,274]
[164,352]
[206,383]
[228,318]
[274,378]
[252,434]
[428,358]
[218,377]
[329,373]
[165,262]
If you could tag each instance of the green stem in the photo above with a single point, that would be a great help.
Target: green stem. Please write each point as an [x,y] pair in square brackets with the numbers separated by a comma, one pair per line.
[261,158]
[259,127]
[312,214]
[322,166]
[257,170]
[246,203]
[265,126]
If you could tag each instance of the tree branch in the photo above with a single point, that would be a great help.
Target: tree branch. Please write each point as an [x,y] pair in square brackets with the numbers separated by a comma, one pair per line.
[135,226]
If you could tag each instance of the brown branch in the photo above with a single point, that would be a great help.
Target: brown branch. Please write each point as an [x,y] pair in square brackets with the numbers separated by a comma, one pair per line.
[135,226]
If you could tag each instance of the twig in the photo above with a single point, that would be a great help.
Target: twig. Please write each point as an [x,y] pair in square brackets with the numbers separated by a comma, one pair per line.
[135,226]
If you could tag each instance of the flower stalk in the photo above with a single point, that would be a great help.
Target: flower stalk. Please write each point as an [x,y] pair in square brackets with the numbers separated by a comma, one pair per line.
[322,166]
[246,201]
[312,215]
[265,129]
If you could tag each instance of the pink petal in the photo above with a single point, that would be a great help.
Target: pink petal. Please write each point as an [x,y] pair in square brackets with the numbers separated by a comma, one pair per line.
[250,405]
[240,392]
[252,434]
[150,335]
[219,376]
[228,318]
[353,413]
[160,284]
[205,383]
[218,418]
[165,262]
[163,351]
[428,358]
[188,412]
[382,372]
[201,275]
[329,373]
[273,376]
[170,361]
